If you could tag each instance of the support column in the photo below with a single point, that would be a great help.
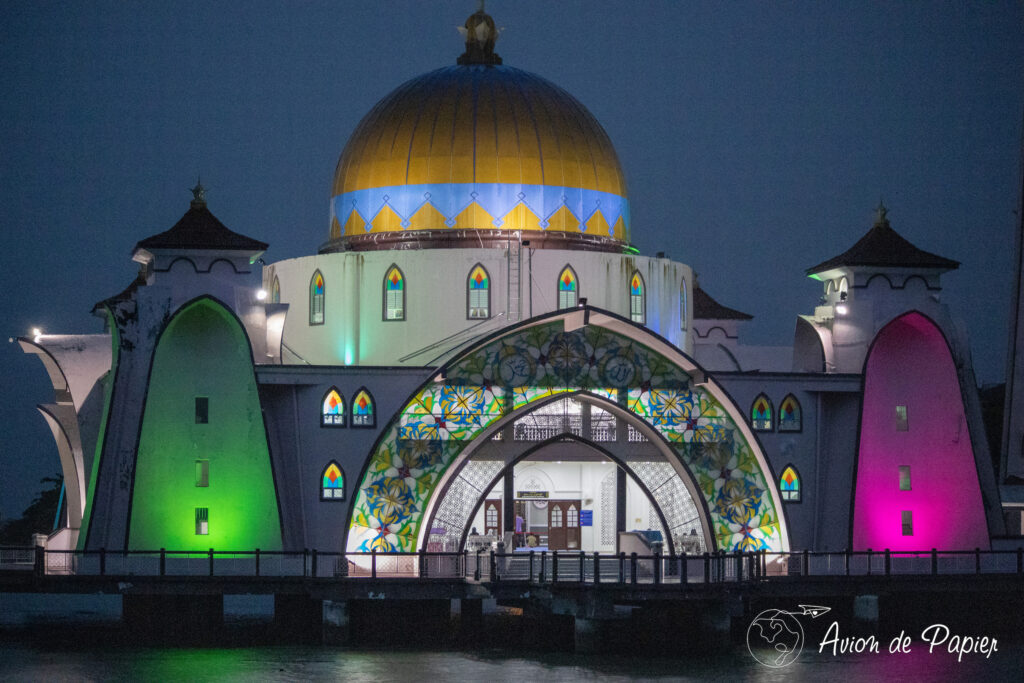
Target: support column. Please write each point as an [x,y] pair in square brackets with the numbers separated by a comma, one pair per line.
[620,502]
[509,499]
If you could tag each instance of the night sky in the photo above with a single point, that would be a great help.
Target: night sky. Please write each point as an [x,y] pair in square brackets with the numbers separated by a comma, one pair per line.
[756,139]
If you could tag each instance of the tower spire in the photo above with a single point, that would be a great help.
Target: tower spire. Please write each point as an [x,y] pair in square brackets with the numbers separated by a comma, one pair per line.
[480,34]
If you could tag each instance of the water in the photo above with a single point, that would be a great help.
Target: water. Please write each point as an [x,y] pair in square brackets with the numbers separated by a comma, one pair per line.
[20,662]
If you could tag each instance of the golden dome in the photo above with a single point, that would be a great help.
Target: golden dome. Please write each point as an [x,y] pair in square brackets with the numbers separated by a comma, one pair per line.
[477,152]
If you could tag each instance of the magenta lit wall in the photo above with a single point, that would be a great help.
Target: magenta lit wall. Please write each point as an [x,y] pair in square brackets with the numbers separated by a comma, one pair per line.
[910,364]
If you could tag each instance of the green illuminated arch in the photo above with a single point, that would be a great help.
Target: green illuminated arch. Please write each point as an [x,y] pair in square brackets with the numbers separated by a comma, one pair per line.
[549,357]
[203,353]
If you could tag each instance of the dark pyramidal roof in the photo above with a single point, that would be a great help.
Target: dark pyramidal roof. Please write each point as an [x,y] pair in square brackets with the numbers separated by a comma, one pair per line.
[200,229]
[882,246]
[706,308]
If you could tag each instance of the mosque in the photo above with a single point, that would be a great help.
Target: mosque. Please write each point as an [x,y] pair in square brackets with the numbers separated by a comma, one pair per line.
[477,350]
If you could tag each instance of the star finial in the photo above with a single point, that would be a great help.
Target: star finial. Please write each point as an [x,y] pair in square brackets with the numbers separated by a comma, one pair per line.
[198,194]
[880,213]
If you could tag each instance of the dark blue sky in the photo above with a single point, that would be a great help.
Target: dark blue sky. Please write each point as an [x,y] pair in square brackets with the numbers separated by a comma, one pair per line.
[756,139]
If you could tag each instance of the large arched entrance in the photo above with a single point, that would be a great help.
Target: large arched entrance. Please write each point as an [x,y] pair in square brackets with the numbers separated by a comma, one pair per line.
[635,374]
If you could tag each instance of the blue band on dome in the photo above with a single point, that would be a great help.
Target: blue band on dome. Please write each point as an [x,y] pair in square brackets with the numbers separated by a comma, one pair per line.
[497,199]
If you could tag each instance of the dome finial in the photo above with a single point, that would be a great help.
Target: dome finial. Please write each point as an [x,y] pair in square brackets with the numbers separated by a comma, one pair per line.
[880,212]
[198,194]
[481,34]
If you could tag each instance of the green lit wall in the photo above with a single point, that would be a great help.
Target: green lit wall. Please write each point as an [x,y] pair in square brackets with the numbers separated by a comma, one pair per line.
[203,353]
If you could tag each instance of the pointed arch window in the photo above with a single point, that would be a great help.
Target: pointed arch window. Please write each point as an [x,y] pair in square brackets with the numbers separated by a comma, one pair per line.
[394,294]
[682,305]
[478,294]
[275,291]
[789,485]
[637,303]
[761,414]
[790,417]
[332,482]
[316,299]
[332,410]
[364,413]
[568,288]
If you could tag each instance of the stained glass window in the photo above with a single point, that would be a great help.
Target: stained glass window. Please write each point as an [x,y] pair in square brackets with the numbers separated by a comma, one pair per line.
[790,419]
[363,413]
[761,414]
[332,410]
[636,298]
[568,288]
[332,484]
[275,291]
[682,305]
[316,299]
[478,294]
[789,485]
[394,294]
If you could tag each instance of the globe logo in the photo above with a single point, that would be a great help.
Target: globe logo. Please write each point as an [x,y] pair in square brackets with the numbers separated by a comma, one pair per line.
[775,637]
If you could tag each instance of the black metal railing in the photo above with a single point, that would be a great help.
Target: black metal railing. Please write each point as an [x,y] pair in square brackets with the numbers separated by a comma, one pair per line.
[526,566]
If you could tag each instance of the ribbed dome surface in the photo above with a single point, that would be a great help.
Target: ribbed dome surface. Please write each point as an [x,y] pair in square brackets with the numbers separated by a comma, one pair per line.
[479,147]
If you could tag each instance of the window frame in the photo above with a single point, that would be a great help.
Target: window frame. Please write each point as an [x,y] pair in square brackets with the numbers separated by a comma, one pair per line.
[202,410]
[275,291]
[642,298]
[344,484]
[799,485]
[682,305]
[907,522]
[558,288]
[904,474]
[469,294]
[384,295]
[373,410]
[202,516]
[313,296]
[902,418]
[799,412]
[344,410]
[771,414]
[202,473]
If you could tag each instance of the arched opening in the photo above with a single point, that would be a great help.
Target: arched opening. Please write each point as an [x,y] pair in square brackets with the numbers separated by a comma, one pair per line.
[632,374]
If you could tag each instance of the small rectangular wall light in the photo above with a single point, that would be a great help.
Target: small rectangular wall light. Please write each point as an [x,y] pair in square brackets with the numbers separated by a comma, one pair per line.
[901,419]
[904,477]
[908,522]
[202,410]
[202,473]
[202,521]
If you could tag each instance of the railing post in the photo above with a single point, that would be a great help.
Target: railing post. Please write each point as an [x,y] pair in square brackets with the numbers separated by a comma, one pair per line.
[977,560]
[305,564]
[846,561]
[257,558]
[683,569]
[373,563]
[739,567]
[163,561]
[476,570]
[530,553]
[211,561]
[888,562]
[707,568]
[493,568]
[543,561]
[103,561]
[554,566]
[423,563]
[465,562]
[313,564]
[657,567]
[632,568]
[1020,560]
[583,567]
[39,561]
[806,569]
[622,567]
[935,562]
[869,561]
[597,568]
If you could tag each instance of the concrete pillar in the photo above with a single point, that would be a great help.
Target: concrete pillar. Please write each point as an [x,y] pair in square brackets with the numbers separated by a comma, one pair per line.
[336,622]
[588,635]
[298,618]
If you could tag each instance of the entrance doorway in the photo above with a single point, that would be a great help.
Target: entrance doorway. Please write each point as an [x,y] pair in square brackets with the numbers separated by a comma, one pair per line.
[564,525]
